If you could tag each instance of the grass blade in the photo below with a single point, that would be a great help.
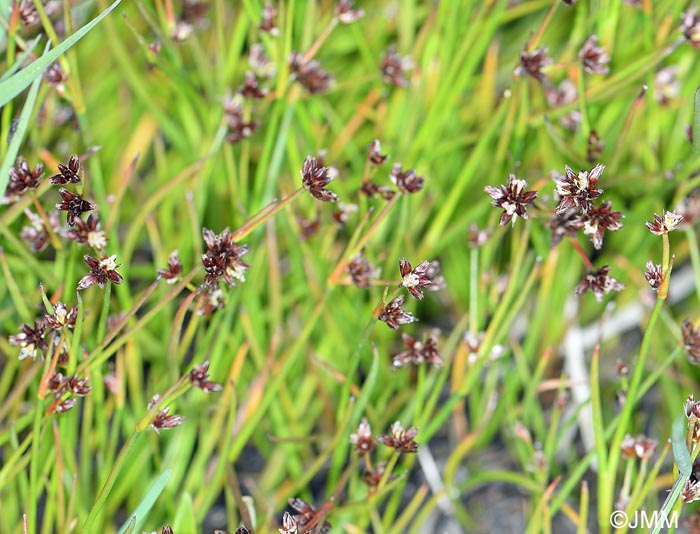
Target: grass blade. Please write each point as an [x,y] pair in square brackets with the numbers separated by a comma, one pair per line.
[137,519]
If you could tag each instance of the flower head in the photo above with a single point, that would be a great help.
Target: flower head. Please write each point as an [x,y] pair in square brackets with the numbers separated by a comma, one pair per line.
[67,174]
[690,27]
[600,283]
[75,205]
[310,74]
[238,128]
[370,189]
[361,271]
[269,19]
[577,190]
[36,235]
[289,524]
[654,275]
[597,220]
[362,439]
[400,439]
[22,178]
[251,87]
[594,57]
[62,317]
[418,352]
[174,271]
[407,181]
[222,258]
[394,316]
[394,68]
[101,271]
[199,376]
[512,198]
[691,341]
[31,339]
[345,12]
[532,63]
[374,153]
[88,232]
[563,225]
[416,278]
[664,223]
[315,177]
[308,517]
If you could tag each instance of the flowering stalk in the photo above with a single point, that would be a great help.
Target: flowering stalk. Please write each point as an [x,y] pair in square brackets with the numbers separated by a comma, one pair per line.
[320,40]
[55,243]
[263,215]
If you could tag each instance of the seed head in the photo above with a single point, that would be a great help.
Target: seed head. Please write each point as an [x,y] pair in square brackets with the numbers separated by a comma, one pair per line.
[691,491]
[289,525]
[78,386]
[315,177]
[308,517]
[101,271]
[419,352]
[565,94]
[400,440]
[594,57]
[62,317]
[577,190]
[343,213]
[564,225]
[37,235]
[665,223]
[162,420]
[512,198]
[477,238]
[67,174]
[251,87]
[372,477]
[394,316]
[370,189]
[600,283]
[22,178]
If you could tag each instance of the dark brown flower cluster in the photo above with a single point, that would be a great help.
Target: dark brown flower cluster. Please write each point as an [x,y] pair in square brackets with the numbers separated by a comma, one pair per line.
[162,420]
[74,204]
[238,128]
[222,259]
[61,386]
[416,278]
[199,378]
[67,174]
[400,439]
[315,177]
[578,190]
[667,222]
[532,63]
[361,271]
[307,520]
[362,439]
[640,447]
[599,283]
[593,57]
[419,352]
[654,274]
[690,27]
[691,341]
[174,271]
[374,153]
[36,234]
[310,74]
[102,270]
[22,178]
[88,232]
[407,181]
[269,19]
[346,13]
[31,339]
[394,68]
[393,314]
[512,198]
[251,87]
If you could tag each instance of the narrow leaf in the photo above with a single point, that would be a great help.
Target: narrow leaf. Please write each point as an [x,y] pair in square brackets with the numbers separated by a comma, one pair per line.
[680,449]
[18,62]
[696,122]
[18,136]
[17,83]
[137,519]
